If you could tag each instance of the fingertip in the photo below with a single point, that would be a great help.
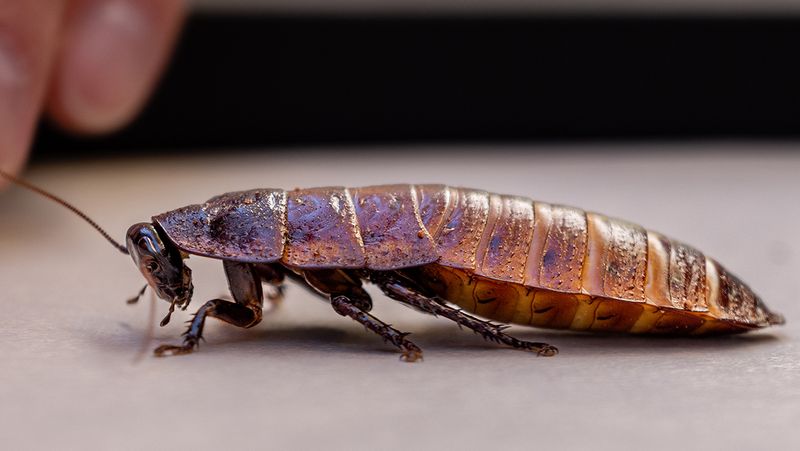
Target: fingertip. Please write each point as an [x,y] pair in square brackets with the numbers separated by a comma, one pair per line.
[28,37]
[12,160]
[112,55]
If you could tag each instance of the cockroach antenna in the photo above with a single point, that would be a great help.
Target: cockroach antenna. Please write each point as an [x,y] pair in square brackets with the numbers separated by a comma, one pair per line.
[54,198]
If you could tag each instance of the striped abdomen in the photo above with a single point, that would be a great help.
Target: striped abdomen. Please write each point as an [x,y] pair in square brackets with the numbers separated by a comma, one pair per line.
[504,257]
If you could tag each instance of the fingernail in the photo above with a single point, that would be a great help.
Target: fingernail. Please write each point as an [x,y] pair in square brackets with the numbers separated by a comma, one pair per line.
[108,64]
[17,107]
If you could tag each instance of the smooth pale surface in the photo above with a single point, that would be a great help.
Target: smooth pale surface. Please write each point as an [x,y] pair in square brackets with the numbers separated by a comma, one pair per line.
[306,378]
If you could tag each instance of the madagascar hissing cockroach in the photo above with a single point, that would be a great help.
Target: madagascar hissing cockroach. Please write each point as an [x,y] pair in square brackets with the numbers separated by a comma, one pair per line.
[504,258]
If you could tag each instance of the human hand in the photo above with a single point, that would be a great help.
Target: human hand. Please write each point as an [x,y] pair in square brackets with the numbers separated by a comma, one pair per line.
[89,64]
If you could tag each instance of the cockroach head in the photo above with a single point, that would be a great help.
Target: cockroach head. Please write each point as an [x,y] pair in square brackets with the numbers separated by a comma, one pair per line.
[161,263]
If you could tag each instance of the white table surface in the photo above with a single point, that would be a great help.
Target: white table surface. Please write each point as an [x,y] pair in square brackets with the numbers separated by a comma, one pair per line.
[308,379]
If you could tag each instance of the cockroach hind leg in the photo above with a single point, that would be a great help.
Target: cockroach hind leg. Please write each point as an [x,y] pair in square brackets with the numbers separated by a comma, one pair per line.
[488,330]
[411,356]
[544,349]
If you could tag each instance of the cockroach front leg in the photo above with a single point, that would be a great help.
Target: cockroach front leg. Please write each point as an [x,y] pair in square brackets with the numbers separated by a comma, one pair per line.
[245,286]
[486,329]
[346,307]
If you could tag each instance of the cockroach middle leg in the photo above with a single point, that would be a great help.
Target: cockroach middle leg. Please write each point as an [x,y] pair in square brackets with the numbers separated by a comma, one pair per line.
[245,286]
[488,330]
[273,276]
[345,307]
[349,298]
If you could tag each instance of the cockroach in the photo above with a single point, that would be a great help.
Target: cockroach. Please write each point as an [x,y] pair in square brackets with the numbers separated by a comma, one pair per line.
[504,258]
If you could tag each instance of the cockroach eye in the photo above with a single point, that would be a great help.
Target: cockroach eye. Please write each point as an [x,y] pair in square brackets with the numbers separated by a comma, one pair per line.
[152,266]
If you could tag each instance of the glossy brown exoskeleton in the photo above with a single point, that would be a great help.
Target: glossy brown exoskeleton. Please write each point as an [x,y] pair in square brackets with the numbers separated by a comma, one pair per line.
[503,257]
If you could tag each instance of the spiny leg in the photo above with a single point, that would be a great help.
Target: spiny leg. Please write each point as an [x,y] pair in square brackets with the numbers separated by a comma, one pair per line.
[349,298]
[245,286]
[345,307]
[236,314]
[488,330]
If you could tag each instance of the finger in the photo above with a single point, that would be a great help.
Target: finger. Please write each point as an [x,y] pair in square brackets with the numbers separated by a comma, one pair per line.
[112,54]
[28,37]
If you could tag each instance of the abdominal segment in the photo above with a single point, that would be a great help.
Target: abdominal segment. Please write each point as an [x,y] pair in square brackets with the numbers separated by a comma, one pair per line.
[515,303]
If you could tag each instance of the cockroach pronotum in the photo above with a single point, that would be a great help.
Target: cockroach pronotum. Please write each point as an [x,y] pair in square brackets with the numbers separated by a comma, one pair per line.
[504,258]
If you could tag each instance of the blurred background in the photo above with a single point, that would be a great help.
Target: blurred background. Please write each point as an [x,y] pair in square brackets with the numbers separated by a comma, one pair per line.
[267,73]
[679,115]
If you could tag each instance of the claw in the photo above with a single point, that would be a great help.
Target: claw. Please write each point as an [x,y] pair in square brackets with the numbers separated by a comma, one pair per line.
[411,356]
[165,350]
[547,351]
